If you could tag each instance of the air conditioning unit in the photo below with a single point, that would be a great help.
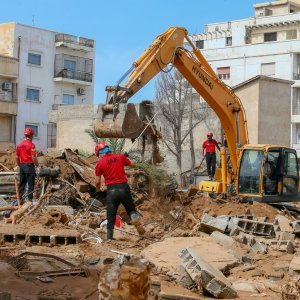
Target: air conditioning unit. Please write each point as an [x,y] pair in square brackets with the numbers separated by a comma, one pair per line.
[81,91]
[6,86]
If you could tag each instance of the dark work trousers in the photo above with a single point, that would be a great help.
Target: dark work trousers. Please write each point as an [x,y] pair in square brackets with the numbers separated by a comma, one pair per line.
[27,175]
[211,163]
[116,194]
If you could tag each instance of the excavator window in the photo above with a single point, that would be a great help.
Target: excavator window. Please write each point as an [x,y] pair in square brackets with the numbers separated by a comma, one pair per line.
[271,172]
[290,173]
[249,172]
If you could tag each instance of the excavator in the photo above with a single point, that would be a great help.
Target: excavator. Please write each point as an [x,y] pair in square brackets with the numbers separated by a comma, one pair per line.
[262,172]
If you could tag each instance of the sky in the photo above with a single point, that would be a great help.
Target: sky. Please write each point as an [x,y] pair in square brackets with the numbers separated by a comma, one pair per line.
[123,29]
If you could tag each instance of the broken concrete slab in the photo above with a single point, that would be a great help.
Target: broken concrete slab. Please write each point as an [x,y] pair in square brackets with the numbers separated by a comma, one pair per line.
[209,224]
[223,240]
[206,276]
[164,254]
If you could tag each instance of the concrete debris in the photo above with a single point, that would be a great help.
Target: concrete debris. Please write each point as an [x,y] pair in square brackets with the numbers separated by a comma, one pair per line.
[209,224]
[291,291]
[206,276]
[129,281]
[294,267]
[223,240]
[282,224]
[260,247]
[254,227]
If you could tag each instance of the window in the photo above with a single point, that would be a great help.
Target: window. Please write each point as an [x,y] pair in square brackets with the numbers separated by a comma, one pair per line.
[34,59]
[223,73]
[249,173]
[51,135]
[34,127]
[268,69]
[290,168]
[291,34]
[33,94]
[229,41]
[270,37]
[70,64]
[68,99]
[200,44]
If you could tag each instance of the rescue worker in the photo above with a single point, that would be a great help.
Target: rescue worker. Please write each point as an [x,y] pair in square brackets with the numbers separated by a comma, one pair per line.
[209,147]
[111,166]
[27,161]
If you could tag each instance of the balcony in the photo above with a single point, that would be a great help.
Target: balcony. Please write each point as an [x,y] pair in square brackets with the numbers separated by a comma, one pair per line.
[74,42]
[73,69]
[9,66]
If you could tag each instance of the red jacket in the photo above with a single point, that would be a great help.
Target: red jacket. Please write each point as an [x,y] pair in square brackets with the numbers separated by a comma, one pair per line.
[209,146]
[111,166]
[25,151]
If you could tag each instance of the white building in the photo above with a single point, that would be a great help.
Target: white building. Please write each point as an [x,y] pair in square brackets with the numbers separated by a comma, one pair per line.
[54,69]
[266,44]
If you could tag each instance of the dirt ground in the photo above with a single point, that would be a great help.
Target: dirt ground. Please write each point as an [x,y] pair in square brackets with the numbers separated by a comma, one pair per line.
[171,222]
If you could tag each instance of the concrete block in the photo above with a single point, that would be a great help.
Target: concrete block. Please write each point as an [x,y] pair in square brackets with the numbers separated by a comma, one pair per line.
[296,226]
[284,246]
[254,227]
[260,247]
[246,239]
[206,276]
[209,224]
[294,267]
[68,210]
[282,224]
[244,287]
[285,236]
[223,240]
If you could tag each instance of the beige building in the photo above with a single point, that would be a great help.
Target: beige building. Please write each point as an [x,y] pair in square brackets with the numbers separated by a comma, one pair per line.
[8,101]
[267,103]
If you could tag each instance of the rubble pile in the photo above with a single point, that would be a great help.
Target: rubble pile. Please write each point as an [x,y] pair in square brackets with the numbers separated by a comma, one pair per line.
[191,246]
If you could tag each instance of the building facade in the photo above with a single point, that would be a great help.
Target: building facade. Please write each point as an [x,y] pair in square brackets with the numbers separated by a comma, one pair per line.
[266,44]
[54,69]
[8,101]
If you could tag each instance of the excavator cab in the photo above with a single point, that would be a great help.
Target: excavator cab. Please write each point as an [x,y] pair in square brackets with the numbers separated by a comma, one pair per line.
[268,174]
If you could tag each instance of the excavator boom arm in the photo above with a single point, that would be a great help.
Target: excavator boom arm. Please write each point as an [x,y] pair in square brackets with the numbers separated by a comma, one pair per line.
[168,49]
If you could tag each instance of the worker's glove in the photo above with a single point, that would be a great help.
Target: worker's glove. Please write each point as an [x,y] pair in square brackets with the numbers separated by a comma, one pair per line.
[126,154]
[103,188]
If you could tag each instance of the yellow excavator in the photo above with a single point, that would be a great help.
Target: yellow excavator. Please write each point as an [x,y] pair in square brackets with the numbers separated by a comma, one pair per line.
[266,173]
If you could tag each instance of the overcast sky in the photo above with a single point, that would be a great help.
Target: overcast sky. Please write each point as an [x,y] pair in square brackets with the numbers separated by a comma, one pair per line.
[123,29]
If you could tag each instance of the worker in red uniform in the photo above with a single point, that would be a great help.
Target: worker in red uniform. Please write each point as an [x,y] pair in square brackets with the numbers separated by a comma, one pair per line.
[111,166]
[27,161]
[209,146]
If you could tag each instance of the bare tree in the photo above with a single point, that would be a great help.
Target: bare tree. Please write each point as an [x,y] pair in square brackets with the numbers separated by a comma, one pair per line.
[180,113]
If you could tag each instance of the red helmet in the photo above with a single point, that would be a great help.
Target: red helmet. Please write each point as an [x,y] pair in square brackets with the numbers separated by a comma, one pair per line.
[29,132]
[100,146]
[209,134]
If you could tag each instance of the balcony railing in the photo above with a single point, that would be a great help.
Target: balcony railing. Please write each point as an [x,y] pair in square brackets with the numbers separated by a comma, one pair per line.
[71,74]
[9,66]
[67,38]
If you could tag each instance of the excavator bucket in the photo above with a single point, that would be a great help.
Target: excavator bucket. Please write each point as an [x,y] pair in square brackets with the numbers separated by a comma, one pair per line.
[126,122]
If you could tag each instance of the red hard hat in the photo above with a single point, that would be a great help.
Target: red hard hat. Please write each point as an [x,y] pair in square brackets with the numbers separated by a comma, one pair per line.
[100,146]
[28,132]
[209,134]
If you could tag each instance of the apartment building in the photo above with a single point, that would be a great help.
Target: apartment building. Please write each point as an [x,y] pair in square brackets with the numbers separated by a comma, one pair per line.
[266,44]
[54,69]
[8,101]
